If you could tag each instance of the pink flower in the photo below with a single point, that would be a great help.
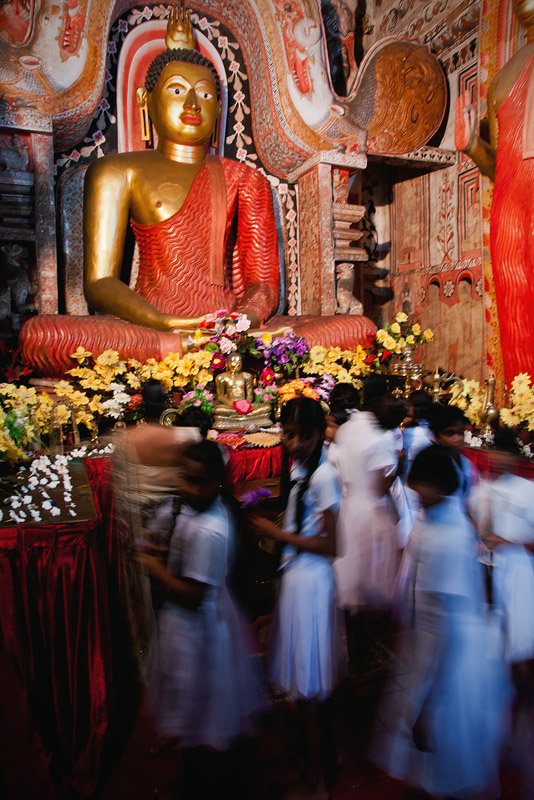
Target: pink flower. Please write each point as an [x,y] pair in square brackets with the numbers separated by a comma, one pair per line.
[221,312]
[242,406]
[231,329]
[225,345]
[267,375]
[243,324]
[218,361]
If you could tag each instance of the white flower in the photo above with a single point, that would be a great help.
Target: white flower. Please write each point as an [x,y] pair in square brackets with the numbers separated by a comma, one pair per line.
[44,481]
[47,505]
[15,502]
[226,345]
[55,511]
[72,513]
[35,514]
[230,330]
[27,500]
[53,484]
[1,515]
[242,324]
[33,481]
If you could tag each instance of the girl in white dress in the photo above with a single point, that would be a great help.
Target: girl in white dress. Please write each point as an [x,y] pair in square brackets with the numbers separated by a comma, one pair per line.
[445,732]
[306,649]
[503,509]
[447,425]
[206,692]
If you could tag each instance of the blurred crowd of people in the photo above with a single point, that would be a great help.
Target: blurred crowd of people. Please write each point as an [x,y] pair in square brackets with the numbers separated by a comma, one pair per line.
[384,519]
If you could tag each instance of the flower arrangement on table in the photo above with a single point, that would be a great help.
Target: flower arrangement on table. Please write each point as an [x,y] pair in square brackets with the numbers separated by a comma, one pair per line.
[519,411]
[200,398]
[294,388]
[469,396]
[280,353]
[394,338]
[334,365]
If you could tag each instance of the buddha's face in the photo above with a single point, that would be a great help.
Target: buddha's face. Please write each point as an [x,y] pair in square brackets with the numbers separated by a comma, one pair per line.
[524,10]
[183,105]
[234,363]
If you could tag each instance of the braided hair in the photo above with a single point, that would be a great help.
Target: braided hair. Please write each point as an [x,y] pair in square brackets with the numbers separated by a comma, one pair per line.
[168,56]
[308,414]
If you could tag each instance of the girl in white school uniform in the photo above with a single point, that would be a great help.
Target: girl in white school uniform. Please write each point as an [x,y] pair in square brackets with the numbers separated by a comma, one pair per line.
[444,733]
[305,658]
[503,509]
[206,692]
[447,424]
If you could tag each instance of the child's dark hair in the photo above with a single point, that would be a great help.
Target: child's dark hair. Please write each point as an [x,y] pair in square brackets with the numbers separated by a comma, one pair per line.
[389,411]
[442,417]
[374,386]
[339,415]
[343,396]
[194,417]
[434,466]
[154,399]
[241,572]
[422,404]
[309,415]
[505,440]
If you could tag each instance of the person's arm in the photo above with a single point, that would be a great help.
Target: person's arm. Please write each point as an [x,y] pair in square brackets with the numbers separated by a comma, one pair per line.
[106,208]
[323,545]
[466,136]
[185,591]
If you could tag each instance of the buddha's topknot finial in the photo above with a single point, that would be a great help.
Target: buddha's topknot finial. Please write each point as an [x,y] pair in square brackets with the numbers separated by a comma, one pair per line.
[179,34]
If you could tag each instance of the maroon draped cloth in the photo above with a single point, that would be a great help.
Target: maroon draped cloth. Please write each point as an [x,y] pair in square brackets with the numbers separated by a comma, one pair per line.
[68,689]
[251,465]
[55,639]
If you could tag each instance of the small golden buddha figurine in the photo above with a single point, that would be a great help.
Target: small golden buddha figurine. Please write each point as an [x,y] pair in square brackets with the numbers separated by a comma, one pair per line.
[231,387]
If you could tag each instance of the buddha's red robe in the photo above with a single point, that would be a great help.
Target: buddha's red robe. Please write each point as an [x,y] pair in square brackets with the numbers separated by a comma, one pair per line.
[512,232]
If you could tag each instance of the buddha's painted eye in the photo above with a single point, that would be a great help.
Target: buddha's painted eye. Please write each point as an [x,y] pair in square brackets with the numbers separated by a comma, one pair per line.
[179,90]
[204,95]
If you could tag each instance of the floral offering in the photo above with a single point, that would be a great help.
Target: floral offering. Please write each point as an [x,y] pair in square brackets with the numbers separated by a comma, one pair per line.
[519,412]
[281,353]
[469,396]
[394,338]
[200,398]
[292,389]
[343,366]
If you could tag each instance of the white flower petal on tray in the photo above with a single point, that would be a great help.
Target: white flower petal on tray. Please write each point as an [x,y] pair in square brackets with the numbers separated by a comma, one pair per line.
[47,505]
[55,511]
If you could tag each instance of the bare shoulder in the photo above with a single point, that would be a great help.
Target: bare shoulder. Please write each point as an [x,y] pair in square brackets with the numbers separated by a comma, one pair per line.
[503,83]
[119,166]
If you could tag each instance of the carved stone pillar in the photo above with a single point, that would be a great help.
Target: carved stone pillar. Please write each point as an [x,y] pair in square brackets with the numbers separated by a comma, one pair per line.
[324,228]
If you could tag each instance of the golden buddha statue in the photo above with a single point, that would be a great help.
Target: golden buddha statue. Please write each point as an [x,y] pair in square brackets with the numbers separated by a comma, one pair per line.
[204,225]
[231,387]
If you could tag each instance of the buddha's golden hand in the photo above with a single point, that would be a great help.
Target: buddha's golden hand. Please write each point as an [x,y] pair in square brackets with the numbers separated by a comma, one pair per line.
[182,324]
[179,29]
[465,129]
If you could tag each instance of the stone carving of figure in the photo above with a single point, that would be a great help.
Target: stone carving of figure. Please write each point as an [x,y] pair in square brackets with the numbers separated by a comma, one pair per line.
[232,386]
[508,160]
[204,225]
[346,302]
[16,157]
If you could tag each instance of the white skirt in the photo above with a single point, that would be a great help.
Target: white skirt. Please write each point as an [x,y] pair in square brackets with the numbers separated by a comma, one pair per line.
[513,594]
[205,685]
[306,659]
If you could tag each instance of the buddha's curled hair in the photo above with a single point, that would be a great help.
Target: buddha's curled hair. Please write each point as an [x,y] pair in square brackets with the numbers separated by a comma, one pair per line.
[168,56]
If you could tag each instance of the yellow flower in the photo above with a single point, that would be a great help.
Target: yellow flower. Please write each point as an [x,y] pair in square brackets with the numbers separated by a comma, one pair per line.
[380,335]
[267,338]
[108,358]
[63,388]
[410,339]
[428,335]
[317,353]
[401,317]
[132,380]
[95,405]
[416,329]
[395,328]
[389,342]
[198,335]
[509,418]
[62,413]
[80,354]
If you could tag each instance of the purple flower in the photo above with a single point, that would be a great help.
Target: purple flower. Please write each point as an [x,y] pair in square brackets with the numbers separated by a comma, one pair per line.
[254,497]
